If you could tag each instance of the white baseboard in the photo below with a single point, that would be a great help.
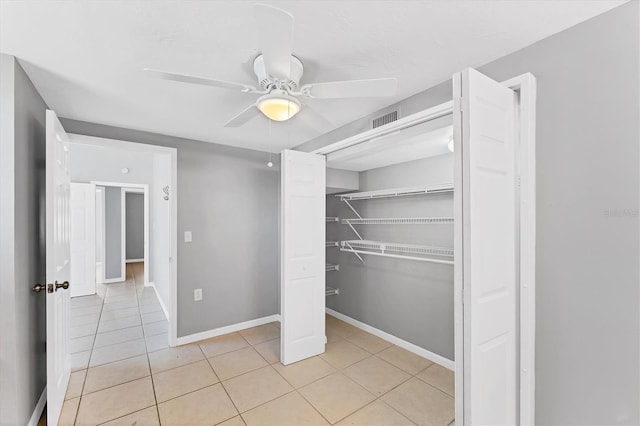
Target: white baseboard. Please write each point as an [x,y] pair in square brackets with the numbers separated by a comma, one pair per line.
[162,305]
[438,359]
[149,284]
[113,280]
[227,329]
[134,260]
[37,411]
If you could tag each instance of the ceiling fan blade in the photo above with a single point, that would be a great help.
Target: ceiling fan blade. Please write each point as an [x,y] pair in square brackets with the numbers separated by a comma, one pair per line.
[186,78]
[275,29]
[314,119]
[374,88]
[247,114]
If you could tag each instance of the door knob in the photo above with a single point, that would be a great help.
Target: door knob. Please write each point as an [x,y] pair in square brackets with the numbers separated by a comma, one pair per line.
[39,287]
[64,285]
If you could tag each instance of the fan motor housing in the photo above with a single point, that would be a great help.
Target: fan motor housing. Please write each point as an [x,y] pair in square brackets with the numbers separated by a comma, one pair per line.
[266,81]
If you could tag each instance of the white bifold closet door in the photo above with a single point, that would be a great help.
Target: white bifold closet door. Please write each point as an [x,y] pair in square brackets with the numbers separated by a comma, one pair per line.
[302,292]
[484,118]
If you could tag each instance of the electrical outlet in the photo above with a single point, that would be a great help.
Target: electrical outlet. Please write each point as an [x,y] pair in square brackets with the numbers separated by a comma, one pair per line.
[187,237]
[197,294]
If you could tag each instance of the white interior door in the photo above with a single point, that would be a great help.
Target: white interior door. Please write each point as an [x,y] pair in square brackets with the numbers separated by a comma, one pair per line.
[83,239]
[58,236]
[302,290]
[484,117]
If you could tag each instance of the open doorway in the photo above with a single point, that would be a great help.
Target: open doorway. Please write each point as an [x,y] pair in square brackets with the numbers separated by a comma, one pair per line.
[126,214]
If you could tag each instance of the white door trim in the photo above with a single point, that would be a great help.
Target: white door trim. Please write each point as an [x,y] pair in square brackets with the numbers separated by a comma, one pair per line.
[173,155]
[144,189]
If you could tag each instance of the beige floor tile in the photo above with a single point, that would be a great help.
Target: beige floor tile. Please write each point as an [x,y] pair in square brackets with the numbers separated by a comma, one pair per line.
[270,350]
[234,421]
[156,328]
[79,360]
[119,305]
[157,342]
[118,324]
[179,381]
[238,362]
[129,296]
[343,328]
[146,417]
[150,308]
[260,334]
[440,377]
[421,403]
[304,372]
[333,335]
[84,301]
[116,352]
[82,330]
[288,410]
[405,360]
[203,407]
[80,312]
[118,336]
[85,319]
[376,414]
[114,402]
[120,313]
[76,382]
[342,354]
[368,342]
[115,373]
[336,396]
[81,344]
[149,317]
[376,375]
[148,300]
[223,344]
[68,413]
[255,388]
[168,358]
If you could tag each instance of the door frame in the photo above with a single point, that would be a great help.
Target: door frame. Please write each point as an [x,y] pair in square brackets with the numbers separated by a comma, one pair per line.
[135,189]
[525,87]
[138,188]
[173,211]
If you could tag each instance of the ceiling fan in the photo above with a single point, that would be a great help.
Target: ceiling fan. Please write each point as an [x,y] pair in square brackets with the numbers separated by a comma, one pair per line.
[279,73]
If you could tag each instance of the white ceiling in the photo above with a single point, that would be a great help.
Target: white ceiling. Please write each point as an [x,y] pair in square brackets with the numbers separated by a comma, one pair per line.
[86,57]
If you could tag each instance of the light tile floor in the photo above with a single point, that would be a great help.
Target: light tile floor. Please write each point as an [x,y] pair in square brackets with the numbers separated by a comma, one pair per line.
[124,373]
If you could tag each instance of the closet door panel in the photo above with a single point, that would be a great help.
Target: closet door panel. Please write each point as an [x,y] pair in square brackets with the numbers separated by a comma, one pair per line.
[303,256]
[486,247]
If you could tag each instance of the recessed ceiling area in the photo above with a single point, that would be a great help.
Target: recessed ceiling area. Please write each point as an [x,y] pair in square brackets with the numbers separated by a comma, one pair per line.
[86,58]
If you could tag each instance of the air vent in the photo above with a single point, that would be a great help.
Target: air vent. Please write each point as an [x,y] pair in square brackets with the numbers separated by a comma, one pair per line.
[385,119]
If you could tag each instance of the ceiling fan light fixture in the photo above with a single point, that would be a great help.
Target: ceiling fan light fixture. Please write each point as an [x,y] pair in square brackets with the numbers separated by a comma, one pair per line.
[278,106]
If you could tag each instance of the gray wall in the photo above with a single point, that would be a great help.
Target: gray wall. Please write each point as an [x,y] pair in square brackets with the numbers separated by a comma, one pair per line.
[134,217]
[22,255]
[409,299]
[112,233]
[588,319]
[228,198]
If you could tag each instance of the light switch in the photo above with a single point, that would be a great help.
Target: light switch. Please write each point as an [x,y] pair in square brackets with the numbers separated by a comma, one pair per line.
[197,294]
[187,237]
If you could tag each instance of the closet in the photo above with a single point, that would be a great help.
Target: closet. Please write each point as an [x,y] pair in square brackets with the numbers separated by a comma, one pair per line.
[432,247]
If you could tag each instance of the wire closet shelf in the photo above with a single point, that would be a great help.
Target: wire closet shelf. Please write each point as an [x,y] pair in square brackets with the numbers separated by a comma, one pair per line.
[398,250]
[398,192]
[399,221]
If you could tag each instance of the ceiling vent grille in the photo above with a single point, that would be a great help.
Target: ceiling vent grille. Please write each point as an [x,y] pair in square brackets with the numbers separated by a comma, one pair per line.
[385,119]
